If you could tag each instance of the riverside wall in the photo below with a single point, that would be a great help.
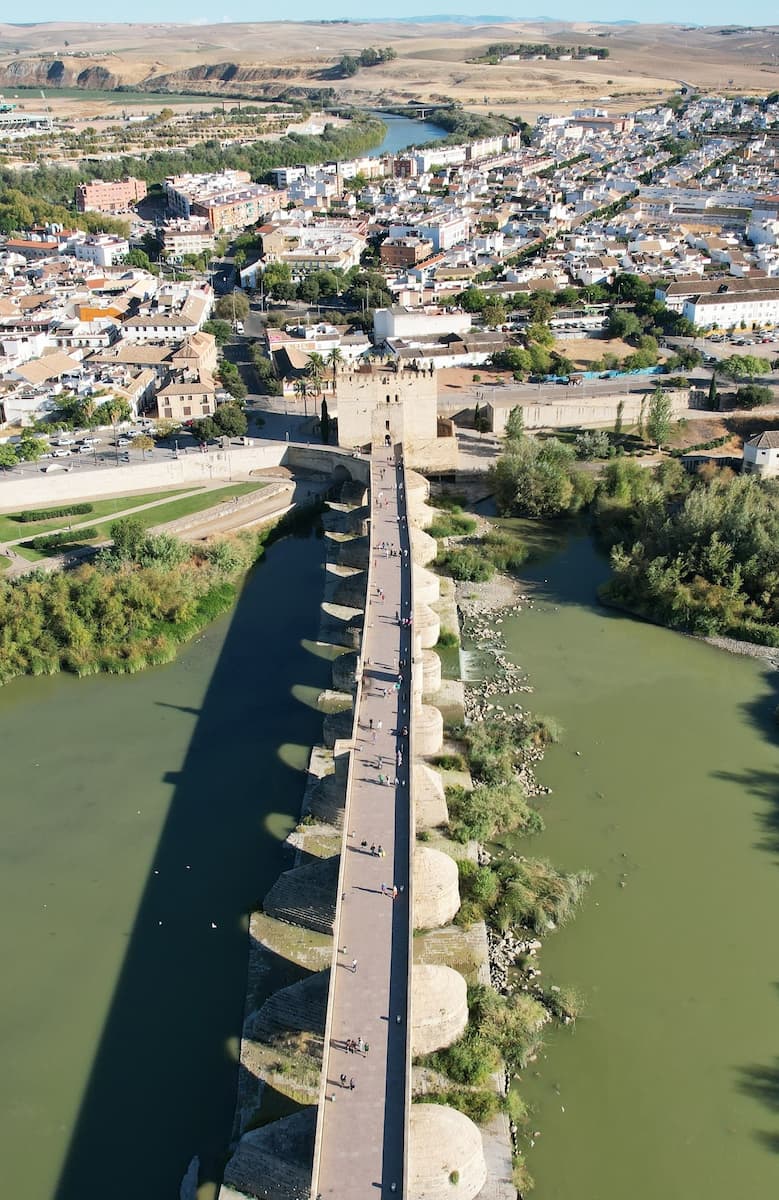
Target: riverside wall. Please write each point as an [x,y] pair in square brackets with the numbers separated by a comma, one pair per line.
[237,463]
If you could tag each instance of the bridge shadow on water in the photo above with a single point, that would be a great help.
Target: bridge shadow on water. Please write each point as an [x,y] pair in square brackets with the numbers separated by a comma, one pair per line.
[162,1084]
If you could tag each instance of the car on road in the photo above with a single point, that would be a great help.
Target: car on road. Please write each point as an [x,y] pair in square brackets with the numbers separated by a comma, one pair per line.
[239,326]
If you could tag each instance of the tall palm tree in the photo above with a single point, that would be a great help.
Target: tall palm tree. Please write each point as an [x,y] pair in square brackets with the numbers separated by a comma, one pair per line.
[334,360]
[316,371]
[302,389]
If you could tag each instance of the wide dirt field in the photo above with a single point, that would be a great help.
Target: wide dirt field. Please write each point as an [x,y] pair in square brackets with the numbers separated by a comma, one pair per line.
[646,61]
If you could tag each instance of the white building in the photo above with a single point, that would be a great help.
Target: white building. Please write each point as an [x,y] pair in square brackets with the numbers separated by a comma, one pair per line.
[403,322]
[444,231]
[728,309]
[761,454]
[102,249]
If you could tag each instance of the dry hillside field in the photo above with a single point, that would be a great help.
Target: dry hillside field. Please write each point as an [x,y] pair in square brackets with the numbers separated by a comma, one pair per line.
[432,63]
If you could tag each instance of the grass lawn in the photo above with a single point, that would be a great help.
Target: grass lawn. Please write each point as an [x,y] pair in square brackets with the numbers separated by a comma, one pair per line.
[161,514]
[11,529]
[164,513]
[4,563]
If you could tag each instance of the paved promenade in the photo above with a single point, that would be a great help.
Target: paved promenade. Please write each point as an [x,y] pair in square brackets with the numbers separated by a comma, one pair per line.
[363,1126]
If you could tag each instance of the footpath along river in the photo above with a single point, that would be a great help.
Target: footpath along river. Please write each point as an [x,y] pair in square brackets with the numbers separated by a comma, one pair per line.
[666,787]
[140,819]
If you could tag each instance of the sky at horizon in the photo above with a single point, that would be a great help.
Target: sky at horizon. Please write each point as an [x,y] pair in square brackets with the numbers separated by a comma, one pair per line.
[203,12]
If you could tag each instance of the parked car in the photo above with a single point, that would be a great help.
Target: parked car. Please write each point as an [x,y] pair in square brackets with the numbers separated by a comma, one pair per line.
[123,442]
[61,452]
[90,441]
[84,449]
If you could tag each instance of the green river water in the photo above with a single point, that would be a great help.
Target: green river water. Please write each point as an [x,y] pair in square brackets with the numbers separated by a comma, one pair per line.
[666,781]
[136,813]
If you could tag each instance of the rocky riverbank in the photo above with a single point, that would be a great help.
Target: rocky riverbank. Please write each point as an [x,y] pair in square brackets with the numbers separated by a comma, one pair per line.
[501,597]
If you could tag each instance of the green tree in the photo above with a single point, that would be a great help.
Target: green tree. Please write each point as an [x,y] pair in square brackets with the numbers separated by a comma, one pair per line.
[205,430]
[324,423]
[623,324]
[513,358]
[347,66]
[743,366]
[151,244]
[143,443]
[619,417]
[713,400]
[494,312]
[138,258]
[753,395]
[128,535]
[275,273]
[230,376]
[334,360]
[515,425]
[540,308]
[540,334]
[30,449]
[658,422]
[234,307]
[315,369]
[303,390]
[230,421]
[164,428]
[308,289]
[112,411]
[473,300]
[535,479]
[220,330]
[8,456]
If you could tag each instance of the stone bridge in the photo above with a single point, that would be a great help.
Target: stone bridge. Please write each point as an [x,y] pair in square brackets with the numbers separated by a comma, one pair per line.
[364,1137]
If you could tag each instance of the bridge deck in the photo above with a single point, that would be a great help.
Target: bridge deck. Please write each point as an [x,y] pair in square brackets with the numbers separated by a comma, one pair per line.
[363,1131]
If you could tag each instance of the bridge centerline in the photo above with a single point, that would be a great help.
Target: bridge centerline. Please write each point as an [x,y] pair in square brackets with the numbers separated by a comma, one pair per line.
[362,1130]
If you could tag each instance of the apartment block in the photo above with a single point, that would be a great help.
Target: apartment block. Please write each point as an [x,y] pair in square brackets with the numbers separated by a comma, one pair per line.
[109,196]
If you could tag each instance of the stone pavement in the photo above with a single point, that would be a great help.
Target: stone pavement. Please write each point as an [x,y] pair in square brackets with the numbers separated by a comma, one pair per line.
[363,1130]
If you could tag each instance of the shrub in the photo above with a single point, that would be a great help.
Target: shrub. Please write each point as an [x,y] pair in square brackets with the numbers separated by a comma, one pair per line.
[754,395]
[494,751]
[447,637]
[504,550]
[594,443]
[465,564]
[488,810]
[451,523]
[530,894]
[50,514]
[51,541]
[451,762]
